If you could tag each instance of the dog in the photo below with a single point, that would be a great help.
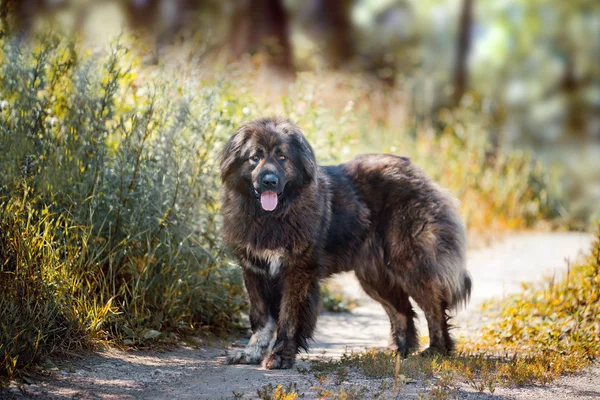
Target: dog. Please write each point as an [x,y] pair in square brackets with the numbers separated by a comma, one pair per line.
[291,223]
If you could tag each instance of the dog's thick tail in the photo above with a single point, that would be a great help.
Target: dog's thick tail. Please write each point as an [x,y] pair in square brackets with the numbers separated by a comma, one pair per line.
[461,299]
[452,260]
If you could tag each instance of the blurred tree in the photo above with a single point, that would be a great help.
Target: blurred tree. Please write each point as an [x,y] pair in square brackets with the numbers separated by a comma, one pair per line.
[388,43]
[540,60]
[160,18]
[18,15]
[261,26]
[159,21]
[329,23]
[142,15]
[461,71]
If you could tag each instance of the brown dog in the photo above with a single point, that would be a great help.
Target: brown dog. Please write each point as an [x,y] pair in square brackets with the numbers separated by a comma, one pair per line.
[292,223]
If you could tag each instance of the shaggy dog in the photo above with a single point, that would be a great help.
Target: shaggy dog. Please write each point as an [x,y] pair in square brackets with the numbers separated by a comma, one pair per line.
[291,223]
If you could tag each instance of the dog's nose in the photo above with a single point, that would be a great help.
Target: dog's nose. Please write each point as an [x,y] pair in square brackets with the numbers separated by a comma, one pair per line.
[270,181]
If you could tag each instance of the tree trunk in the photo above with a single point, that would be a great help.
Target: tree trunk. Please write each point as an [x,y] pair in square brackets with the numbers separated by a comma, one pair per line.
[461,71]
[329,23]
[18,15]
[261,26]
[142,15]
[338,31]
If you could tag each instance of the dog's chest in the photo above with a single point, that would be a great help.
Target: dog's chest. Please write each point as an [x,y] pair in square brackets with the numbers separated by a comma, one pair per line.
[267,262]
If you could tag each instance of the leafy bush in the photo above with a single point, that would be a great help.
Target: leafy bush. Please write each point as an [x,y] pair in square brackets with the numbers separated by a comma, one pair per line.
[109,200]
[334,299]
[38,310]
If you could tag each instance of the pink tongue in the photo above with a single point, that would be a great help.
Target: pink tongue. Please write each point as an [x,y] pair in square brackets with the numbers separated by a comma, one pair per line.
[268,200]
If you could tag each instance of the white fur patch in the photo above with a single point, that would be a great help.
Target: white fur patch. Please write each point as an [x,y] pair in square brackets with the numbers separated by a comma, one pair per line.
[260,342]
[254,269]
[274,258]
[274,265]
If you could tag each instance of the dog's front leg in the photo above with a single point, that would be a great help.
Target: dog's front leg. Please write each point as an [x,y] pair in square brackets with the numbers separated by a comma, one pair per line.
[262,319]
[297,316]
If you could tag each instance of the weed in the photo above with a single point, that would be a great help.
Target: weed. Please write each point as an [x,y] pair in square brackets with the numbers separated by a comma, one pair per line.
[333,299]
[443,387]
[354,392]
[372,363]
[340,376]
[269,392]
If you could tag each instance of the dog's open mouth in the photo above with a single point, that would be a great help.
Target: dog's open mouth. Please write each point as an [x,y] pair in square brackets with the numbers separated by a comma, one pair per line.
[268,200]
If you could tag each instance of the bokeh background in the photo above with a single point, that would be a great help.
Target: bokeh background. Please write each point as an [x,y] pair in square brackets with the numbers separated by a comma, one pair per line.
[113,113]
[532,67]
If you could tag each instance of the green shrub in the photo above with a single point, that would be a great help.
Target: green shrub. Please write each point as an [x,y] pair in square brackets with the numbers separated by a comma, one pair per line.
[109,202]
[334,299]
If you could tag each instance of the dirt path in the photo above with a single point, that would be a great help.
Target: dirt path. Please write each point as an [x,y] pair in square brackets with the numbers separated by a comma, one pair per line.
[188,373]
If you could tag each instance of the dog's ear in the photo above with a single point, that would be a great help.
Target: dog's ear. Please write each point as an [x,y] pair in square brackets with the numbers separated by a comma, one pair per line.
[231,154]
[307,157]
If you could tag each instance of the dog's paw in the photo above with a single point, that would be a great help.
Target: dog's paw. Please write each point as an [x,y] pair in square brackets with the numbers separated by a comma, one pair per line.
[402,349]
[235,357]
[275,361]
[243,357]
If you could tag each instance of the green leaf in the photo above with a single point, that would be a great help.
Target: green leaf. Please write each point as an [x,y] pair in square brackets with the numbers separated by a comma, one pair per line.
[151,334]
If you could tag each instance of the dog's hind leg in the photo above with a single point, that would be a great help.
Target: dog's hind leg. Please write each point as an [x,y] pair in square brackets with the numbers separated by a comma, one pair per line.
[264,298]
[435,309]
[398,308]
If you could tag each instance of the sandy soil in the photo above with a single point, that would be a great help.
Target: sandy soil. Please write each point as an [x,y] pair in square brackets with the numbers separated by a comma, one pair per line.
[201,373]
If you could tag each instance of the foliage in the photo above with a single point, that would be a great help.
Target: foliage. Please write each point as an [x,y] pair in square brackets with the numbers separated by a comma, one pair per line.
[35,314]
[269,392]
[333,298]
[109,199]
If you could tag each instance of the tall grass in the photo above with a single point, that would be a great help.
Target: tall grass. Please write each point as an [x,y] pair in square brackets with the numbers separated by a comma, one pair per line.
[108,204]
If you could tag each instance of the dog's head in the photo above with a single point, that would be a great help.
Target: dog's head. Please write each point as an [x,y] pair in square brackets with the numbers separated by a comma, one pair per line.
[268,160]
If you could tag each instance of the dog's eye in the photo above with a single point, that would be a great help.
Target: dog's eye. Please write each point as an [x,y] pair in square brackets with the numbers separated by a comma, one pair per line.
[282,157]
[255,157]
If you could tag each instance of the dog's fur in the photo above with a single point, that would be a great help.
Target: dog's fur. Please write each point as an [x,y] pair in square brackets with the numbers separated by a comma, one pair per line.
[378,215]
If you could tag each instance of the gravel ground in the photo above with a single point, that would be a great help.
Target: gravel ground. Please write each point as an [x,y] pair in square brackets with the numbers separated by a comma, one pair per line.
[201,373]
